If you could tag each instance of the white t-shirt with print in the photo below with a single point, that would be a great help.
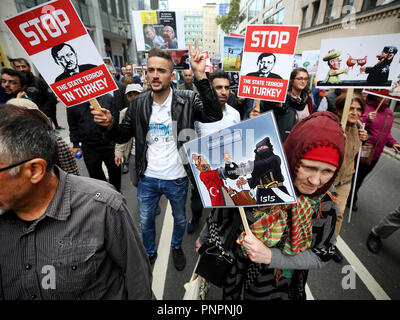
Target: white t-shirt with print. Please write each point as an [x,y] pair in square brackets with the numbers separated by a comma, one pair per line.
[163,158]
[230,116]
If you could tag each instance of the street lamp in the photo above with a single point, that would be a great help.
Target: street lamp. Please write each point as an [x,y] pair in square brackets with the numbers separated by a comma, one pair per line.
[124,25]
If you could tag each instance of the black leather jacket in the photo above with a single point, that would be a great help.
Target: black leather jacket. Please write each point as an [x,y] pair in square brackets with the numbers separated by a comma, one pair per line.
[186,108]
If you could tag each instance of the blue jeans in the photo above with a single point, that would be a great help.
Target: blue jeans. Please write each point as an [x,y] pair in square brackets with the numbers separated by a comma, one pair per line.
[149,193]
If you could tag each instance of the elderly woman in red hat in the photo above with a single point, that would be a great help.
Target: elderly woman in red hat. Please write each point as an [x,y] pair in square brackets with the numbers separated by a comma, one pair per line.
[314,151]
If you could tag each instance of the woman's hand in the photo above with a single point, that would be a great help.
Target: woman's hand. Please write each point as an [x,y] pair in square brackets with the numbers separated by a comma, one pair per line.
[396,148]
[118,161]
[363,134]
[257,251]
[371,116]
[198,244]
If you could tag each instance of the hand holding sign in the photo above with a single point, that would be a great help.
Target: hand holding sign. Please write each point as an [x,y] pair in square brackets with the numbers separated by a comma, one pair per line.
[197,61]
[101,116]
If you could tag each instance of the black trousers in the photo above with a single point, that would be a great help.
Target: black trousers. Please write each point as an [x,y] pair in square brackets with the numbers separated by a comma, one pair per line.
[94,156]
[363,171]
[195,203]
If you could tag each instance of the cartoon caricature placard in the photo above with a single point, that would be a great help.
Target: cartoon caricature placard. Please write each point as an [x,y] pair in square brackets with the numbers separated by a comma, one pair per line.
[359,62]
[242,165]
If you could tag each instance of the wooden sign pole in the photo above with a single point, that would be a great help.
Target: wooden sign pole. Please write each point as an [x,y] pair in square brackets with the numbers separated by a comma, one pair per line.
[346,109]
[96,106]
[257,108]
[244,220]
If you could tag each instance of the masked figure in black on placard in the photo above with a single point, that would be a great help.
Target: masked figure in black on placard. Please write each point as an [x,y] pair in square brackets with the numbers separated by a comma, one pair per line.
[266,174]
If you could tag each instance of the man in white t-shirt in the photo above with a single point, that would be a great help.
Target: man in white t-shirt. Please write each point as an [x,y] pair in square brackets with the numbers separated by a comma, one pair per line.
[155,119]
[220,81]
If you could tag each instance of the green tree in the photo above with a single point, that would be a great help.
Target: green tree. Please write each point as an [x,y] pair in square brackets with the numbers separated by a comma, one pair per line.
[230,21]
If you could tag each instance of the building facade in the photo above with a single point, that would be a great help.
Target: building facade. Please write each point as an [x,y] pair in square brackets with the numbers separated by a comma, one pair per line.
[210,29]
[193,22]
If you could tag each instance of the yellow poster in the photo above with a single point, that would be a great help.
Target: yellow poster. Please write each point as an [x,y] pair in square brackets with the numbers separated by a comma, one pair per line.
[149,17]
[3,58]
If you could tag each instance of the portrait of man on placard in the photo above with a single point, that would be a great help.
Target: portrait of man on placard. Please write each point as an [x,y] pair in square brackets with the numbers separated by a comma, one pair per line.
[265,63]
[65,56]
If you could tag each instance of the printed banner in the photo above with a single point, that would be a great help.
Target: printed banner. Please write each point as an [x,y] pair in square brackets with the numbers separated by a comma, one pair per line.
[233,52]
[159,29]
[267,61]
[359,62]
[242,165]
[309,61]
[57,43]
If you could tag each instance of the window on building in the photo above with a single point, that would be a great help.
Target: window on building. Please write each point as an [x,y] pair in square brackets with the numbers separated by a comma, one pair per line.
[304,17]
[103,5]
[328,11]
[279,4]
[315,13]
[254,8]
[369,4]
[121,9]
[346,11]
[267,3]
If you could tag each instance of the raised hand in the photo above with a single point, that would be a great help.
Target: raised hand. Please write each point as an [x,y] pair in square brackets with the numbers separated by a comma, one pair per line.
[197,61]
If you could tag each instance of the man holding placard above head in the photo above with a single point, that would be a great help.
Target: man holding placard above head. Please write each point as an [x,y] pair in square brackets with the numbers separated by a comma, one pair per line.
[156,118]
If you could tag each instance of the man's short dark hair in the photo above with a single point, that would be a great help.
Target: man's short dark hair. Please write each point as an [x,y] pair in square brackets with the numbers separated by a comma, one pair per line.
[155,52]
[218,75]
[16,73]
[58,47]
[22,60]
[264,55]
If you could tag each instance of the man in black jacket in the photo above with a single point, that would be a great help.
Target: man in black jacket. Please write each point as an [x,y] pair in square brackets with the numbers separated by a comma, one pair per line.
[159,120]
[88,139]
[38,90]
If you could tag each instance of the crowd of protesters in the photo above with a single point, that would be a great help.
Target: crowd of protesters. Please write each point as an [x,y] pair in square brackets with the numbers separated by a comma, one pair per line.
[83,228]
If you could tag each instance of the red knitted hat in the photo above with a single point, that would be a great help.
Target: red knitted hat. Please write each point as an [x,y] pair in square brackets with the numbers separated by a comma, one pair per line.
[324,153]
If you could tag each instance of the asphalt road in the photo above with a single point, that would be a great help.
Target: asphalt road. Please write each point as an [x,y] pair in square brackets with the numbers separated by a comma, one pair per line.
[362,275]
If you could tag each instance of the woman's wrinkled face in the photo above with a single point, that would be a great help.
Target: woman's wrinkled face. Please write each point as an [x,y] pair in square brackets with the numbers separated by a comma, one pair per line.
[313,175]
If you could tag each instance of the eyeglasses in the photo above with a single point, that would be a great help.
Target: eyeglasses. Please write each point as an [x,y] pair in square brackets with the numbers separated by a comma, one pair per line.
[15,165]
[301,79]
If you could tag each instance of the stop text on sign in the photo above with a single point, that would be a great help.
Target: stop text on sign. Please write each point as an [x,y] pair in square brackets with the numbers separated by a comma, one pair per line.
[273,39]
[50,24]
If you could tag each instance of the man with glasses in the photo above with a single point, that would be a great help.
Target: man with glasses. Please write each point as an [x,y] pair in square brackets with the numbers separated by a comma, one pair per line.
[56,229]
[265,63]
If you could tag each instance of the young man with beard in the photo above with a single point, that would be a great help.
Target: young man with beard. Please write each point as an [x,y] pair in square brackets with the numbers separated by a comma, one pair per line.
[155,119]
[13,82]
[38,90]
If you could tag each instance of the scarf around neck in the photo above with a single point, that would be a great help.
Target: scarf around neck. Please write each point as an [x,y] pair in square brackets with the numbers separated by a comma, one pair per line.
[271,226]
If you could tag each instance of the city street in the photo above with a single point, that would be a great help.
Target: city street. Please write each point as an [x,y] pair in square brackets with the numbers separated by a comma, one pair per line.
[361,275]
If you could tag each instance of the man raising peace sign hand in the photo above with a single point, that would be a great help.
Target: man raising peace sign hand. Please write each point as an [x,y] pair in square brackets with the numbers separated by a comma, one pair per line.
[155,118]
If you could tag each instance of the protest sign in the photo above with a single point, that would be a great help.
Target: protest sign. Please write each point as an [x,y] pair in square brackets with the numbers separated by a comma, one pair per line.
[159,29]
[242,165]
[209,66]
[56,41]
[267,61]
[180,58]
[109,64]
[359,62]
[233,52]
[385,93]
[309,60]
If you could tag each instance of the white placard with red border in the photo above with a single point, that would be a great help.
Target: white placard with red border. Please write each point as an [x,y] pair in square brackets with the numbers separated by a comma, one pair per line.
[57,25]
[272,45]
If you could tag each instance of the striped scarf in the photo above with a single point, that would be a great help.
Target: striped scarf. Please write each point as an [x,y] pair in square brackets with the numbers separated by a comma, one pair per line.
[270,227]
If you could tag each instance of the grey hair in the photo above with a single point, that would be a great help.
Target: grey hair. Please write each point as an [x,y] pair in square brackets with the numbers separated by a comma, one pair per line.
[24,134]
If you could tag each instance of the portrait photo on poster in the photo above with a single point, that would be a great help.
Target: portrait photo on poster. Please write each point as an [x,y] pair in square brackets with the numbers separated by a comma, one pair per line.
[242,165]
[266,65]
[67,59]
